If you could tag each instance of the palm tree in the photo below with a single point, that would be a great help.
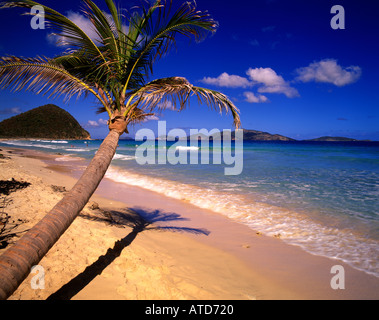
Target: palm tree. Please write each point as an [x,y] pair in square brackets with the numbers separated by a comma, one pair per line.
[114,67]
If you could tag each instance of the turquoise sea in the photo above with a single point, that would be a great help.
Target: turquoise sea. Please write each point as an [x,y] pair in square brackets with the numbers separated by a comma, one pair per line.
[322,196]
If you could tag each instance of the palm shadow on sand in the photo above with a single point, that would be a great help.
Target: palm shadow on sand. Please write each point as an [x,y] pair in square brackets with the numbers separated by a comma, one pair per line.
[139,219]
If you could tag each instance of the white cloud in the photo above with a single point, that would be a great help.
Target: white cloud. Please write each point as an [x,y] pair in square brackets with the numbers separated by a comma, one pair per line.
[229,81]
[95,124]
[266,79]
[286,89]
[271,81]
[85,24]
[329,71]
[167,105]
[254,43]
[92,124]
[103,122]
[252,98]
[14,110]
[267,76]
[82,22]
[152,117]
[268,28]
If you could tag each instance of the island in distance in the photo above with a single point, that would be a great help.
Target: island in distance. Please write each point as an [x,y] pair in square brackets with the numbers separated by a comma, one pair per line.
[251,135]
[255,135]
[52,122]
[45,122]
[338,139]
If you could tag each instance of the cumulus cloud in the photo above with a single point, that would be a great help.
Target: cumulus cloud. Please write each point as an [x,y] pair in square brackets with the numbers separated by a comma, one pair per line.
[167,105]
[9,111]
[102,122]
[152,117]
[266,79]
[229,81]
[83,23]
[252,98]
[254,43]
[329,71]
[271,82]
[92,124]
[268,28]
[95,124]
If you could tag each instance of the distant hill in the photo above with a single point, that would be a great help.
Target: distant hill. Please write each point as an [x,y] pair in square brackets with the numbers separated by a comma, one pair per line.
[255,135]
[248,135]
[45,122]
[328,138]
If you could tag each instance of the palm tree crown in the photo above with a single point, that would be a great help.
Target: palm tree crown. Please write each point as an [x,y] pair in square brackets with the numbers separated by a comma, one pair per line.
[115,66]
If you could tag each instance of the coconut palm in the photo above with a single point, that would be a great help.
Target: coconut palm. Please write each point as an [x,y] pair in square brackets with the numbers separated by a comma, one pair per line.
[114,67]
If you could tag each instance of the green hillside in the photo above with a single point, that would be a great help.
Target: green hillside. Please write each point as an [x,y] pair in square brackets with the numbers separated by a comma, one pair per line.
[45,122]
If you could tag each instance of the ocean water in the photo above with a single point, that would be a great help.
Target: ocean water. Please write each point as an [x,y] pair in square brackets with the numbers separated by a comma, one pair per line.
[322,196]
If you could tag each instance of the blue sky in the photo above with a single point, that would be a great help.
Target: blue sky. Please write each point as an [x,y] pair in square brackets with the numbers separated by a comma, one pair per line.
[280,61]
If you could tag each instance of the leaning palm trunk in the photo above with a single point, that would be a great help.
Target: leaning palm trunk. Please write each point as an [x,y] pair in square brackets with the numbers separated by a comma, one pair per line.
[17,261]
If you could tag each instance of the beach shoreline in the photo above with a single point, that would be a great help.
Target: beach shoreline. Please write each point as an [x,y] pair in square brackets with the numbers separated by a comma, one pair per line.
[212,257]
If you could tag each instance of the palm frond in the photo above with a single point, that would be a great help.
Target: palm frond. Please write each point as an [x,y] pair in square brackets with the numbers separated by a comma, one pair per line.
[115,68]
[117,17]
[138,116]
[74,36]
[105,29]
[77,65]
[159,33]
[41,75]
[219,102]
[157,93]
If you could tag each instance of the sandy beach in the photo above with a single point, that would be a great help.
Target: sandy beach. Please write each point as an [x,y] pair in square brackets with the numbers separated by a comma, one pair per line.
[131,243]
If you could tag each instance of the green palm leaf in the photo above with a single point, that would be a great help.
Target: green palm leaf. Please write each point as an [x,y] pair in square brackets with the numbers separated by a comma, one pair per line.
[74,36]
[43,76]
[159,34]
[40,76]
[105,30]
[177,89]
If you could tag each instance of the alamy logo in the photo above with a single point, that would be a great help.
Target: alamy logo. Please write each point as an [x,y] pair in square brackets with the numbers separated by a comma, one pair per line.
[37,281]
[38,21]
[338,281]
[150,152]
[338,21]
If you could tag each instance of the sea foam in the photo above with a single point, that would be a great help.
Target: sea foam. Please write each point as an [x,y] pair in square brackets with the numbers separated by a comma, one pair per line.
[123,157]
[292,227]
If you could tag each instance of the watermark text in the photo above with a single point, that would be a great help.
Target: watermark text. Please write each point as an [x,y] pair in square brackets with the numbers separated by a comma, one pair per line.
[224,148]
